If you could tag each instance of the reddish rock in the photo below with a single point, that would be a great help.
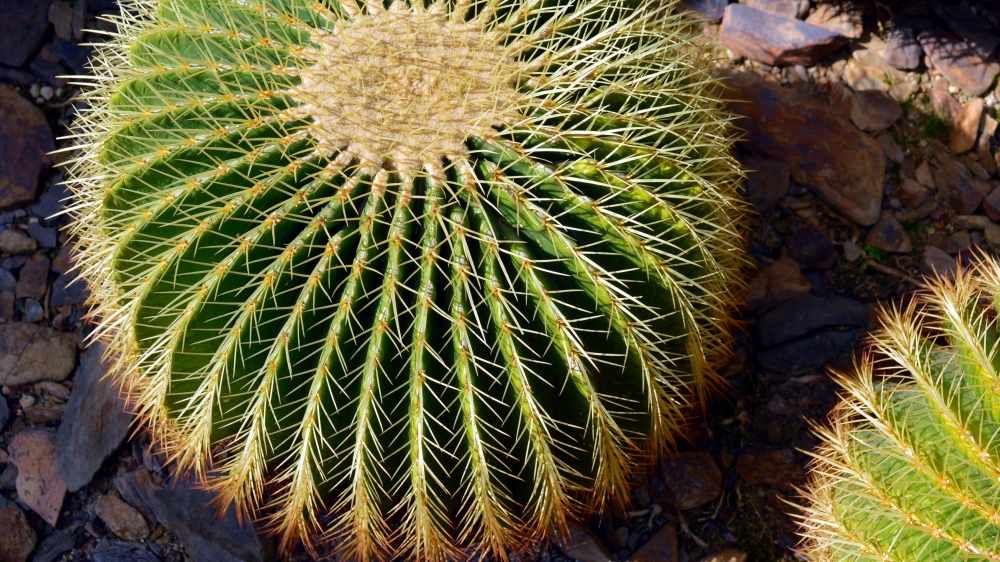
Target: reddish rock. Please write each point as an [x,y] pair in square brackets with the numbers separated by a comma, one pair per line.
[873,110]
[774,39]
[18,536]
[957,242]
[912,194]
[30,353]
[959,62]
[767,182]
[960,189]
[843,165]
[692,479]
[838,17]
[965,133]
[812,248]
[39,484]
[33,280]
[22,29]
[121,518]
[661,547]
[889,235]
[779,281]
[581,544]
[936,261]
[945,105]
[13,241]
[25,141]
[890,148]
[773,468]
[991,204]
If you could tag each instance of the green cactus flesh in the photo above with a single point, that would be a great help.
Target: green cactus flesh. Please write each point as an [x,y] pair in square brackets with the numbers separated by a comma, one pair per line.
[409,276]
[910,468]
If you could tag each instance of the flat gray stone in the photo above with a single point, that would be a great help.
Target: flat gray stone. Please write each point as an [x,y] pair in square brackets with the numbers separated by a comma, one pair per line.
[775,40]
[902,50]
[803,315]
[95,422]
[975,30]
[708,10]
[792,9]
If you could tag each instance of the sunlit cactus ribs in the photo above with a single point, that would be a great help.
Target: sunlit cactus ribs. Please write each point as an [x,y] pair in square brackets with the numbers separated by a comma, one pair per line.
[910,468]
[409,276]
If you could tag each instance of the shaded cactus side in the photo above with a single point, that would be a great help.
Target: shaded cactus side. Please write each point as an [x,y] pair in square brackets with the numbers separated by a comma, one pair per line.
[910,468]
[409,275]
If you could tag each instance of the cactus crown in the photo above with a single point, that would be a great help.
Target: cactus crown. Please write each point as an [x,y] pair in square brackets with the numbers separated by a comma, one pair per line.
[910,468]
[408,275]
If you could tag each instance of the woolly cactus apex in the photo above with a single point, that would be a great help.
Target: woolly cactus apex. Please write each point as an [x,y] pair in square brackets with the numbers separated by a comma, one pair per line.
[409,276]
[910,469]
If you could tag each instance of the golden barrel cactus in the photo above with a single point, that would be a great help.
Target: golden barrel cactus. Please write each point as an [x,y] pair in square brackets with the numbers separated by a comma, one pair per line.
[409,275]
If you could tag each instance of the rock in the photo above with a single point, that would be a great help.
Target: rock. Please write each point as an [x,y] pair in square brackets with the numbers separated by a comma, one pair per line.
[8,478]
[812,249]
[133,488]
[4,413]
[866,70]
[693,479]
[808,313]
[767,182]
[53,546]
[778,405]
[95,422]
[991,204]
[986,158]
[844,166]
[114,551]
[961,191]
[43,413]
[206,536]
[662,547]
[30,353]
[958,62]
[64,259]
[839,18]
[22,29]
[924,176]
[873,110]
[773,39]
[992,235]
[52,202]
[851,251]
[971,222]
[958,242]
[965,133]
[581,544]
[889,235]
[25,141]
[33,280]
[902,50]
[75,56]
[890,148]
[7,281]
[39,484]
[975,30]
[792,9]
[776,469]
[33,311]
[18,536]
[937,262]
[708,10]
[779,281]
[121,518]
[728,555]
[912,194]
[13,241]
[68,289]
[61,18]
[7,300]
[45,236]
[945,105]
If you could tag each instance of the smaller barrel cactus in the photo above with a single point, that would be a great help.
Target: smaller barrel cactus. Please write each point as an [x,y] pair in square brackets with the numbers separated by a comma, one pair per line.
[910,468]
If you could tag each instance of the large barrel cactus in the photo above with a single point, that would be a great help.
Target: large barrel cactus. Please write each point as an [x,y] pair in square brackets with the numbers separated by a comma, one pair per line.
[409,275]
[910,468]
